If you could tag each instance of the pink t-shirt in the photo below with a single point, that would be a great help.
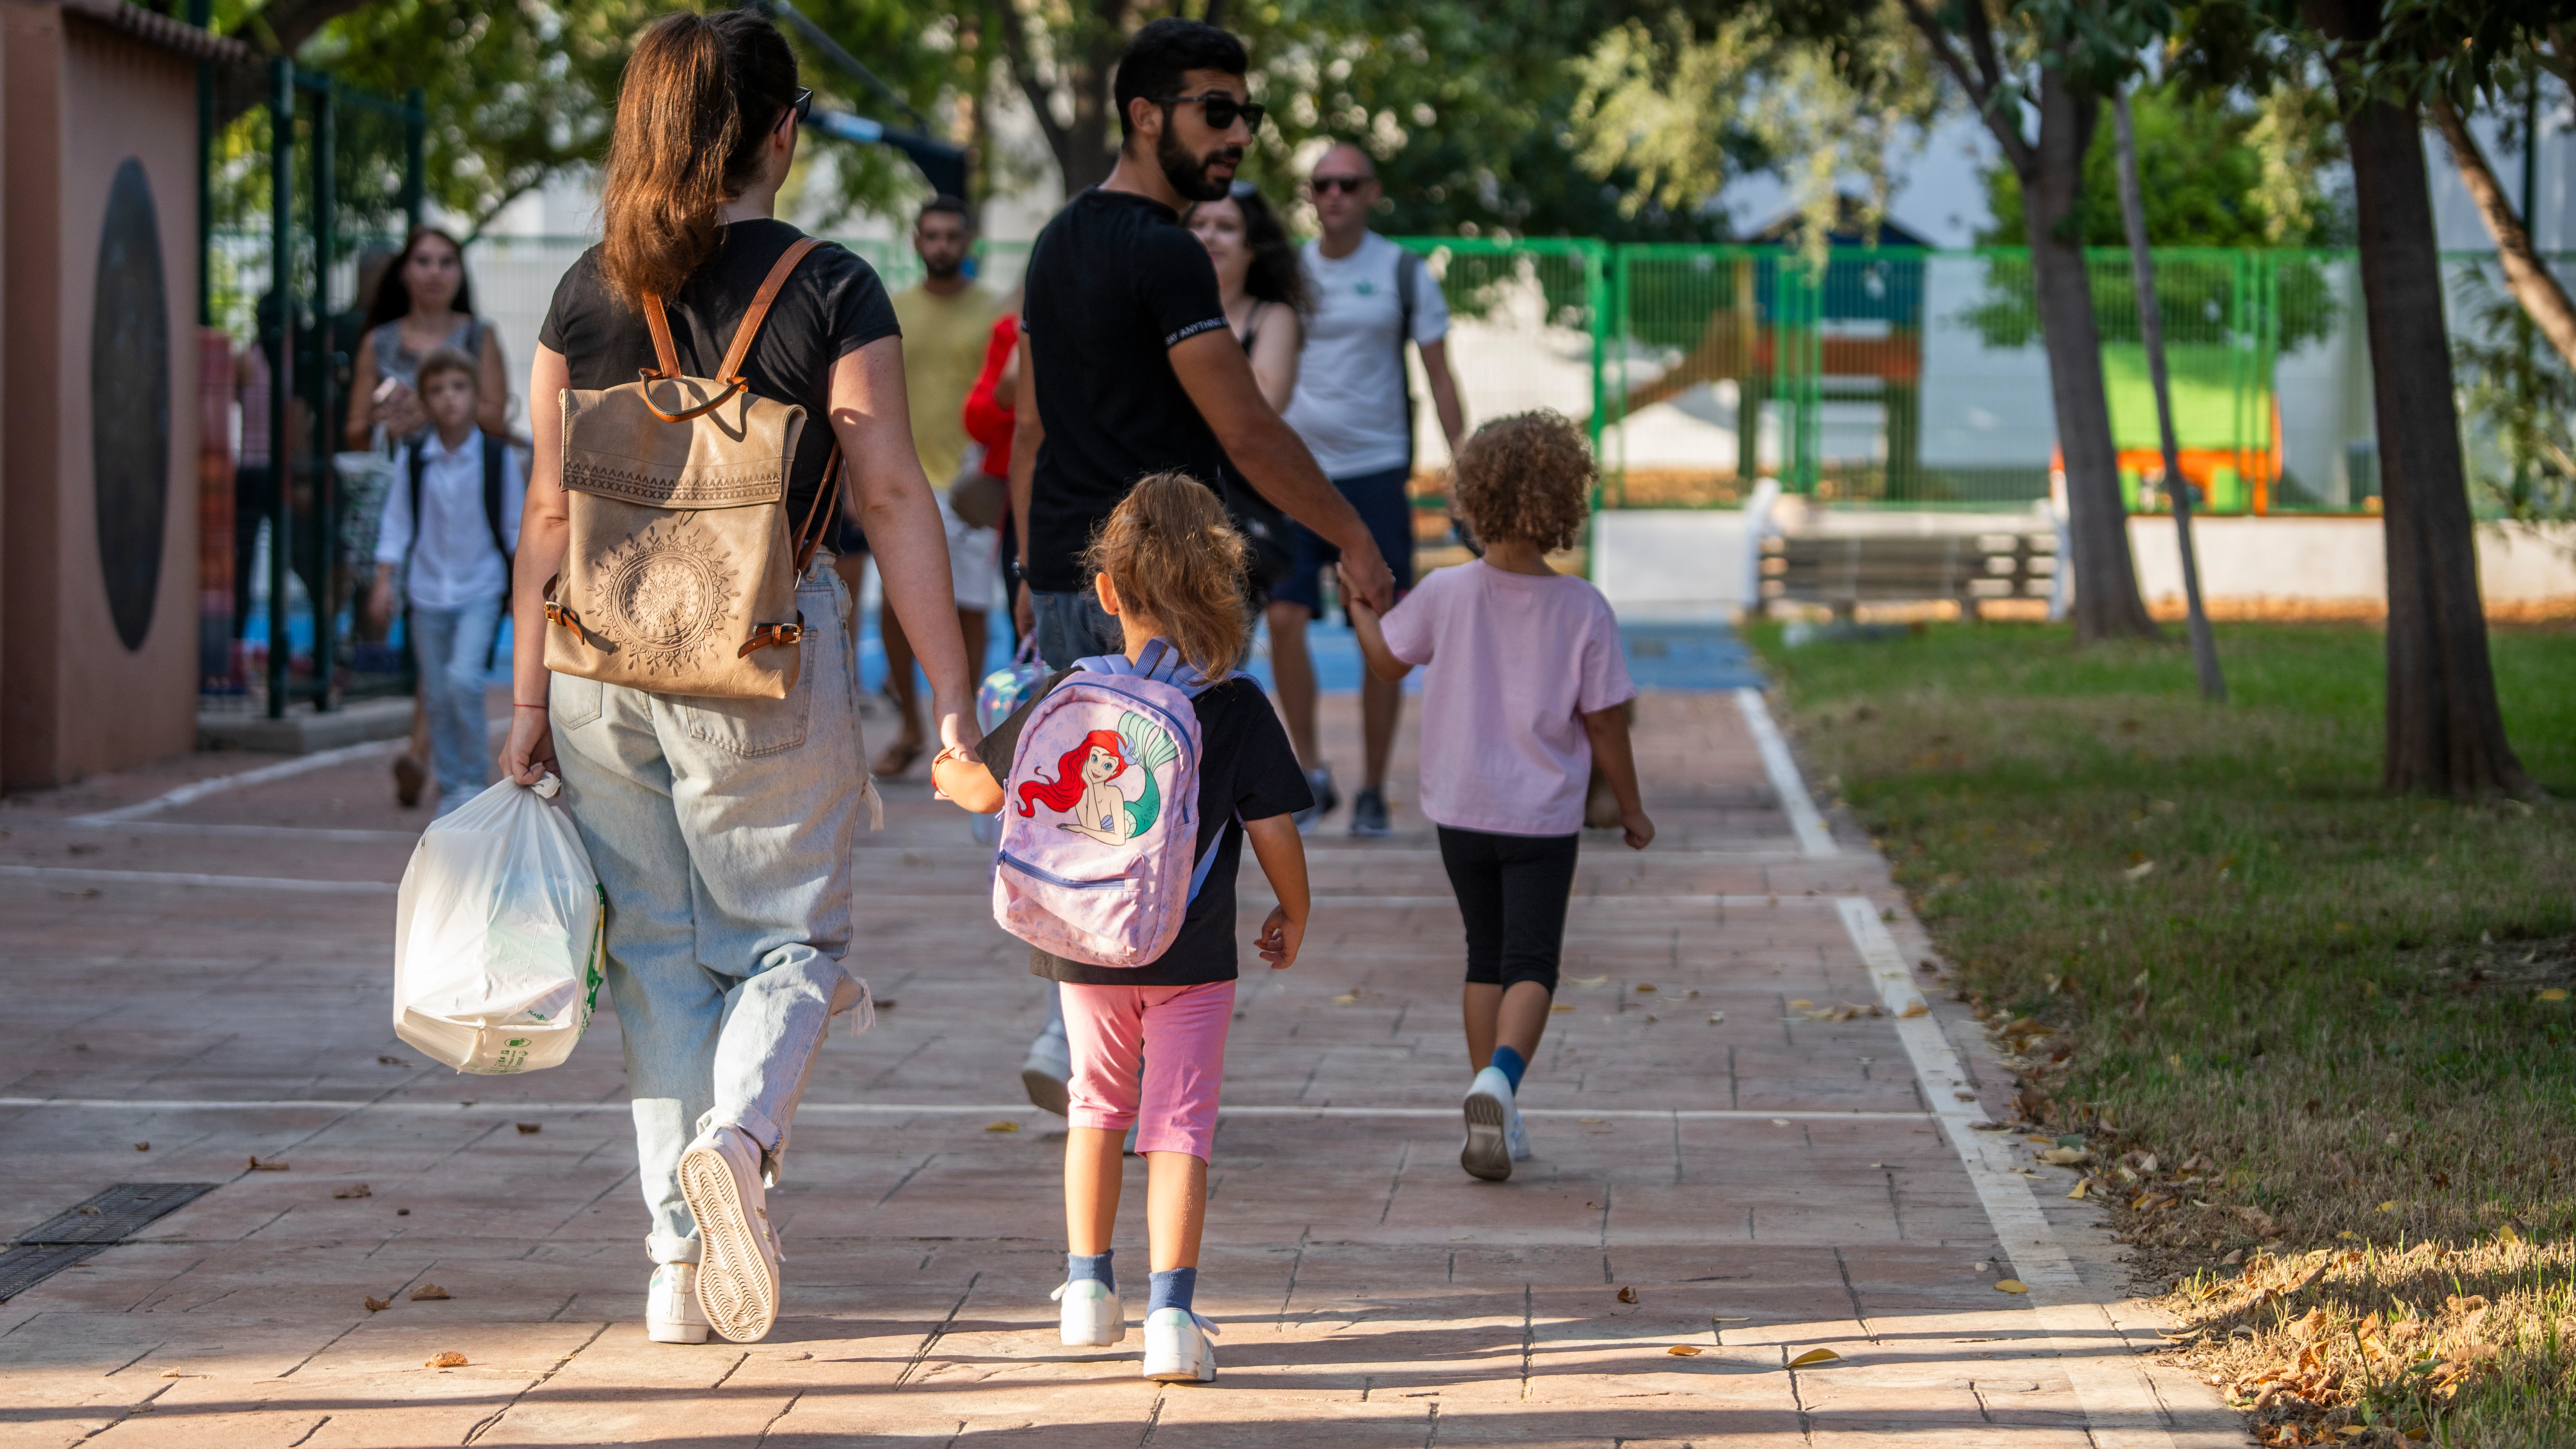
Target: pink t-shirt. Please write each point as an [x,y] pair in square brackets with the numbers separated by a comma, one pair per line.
[1514,663]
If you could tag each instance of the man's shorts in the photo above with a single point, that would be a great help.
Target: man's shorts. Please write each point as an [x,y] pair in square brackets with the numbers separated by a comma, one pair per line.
[974,559]
[1387,512]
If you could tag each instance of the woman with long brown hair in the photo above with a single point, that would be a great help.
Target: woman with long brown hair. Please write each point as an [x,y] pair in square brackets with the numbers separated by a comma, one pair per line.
[424,302]
[721,828]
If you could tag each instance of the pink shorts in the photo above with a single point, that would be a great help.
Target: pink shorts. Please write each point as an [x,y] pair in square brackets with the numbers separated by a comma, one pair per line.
[1178,1032]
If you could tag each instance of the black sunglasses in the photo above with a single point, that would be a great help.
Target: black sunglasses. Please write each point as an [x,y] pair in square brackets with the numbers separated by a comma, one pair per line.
[802,106]
[1347,185]
[1221,109]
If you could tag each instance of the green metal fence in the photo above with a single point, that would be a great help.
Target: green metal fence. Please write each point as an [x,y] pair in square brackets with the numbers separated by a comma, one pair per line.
[1885,377]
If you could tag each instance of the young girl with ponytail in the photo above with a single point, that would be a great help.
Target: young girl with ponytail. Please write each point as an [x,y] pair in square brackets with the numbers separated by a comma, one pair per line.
[721,828]
[1167,565]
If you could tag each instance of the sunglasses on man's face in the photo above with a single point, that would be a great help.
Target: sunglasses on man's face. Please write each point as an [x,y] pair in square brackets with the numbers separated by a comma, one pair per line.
[1347,185]
[1220,109]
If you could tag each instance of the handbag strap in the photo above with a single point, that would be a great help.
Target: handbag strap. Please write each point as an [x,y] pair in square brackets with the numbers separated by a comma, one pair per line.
[666,356]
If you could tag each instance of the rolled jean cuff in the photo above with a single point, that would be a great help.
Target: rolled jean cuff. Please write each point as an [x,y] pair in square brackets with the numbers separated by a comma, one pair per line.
[672,1248]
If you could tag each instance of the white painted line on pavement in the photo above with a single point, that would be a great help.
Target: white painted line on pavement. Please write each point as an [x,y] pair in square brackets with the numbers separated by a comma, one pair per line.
[261,832]
[924,1109]
[2120,1405]
[180,878]
[198,790]
[1813,838]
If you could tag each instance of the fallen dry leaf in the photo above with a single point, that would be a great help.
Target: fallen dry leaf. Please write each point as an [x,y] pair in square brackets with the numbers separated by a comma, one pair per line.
[378,1305]
[1684,1350]
[1814,1355]
[391,1062]
[272,1165]
[2083,1185]
[2554,993]
[142,1146]
[1779,1121]
[1587,981]
[1001,1126]
[1800,1004]
[429,1293]
[1627,1295]
[449,1359]
[2141,870]
[1730,1320]
[1347,998]
[531,1129]
[1914,1009]
[2011,1285]
[1645,988]
[2389,1206]
[2065,1156]
[1715,1017]
[355,1189]
[1560,1006]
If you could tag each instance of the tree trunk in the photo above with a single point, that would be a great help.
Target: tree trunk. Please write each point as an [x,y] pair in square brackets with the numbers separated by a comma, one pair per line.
[2151,333]
[2533,284]
[1085,151]
[2445,732]
[2107,605]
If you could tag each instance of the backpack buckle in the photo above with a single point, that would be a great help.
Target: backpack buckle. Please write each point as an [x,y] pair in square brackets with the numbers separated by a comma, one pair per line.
[558,613]
[766,636]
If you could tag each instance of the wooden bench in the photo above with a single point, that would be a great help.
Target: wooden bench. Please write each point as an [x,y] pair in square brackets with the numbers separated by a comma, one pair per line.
[1843,571]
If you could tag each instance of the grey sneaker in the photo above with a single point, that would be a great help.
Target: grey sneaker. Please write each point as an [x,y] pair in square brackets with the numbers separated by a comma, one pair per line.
[1368,815]
[1320,782]
[1046,1070]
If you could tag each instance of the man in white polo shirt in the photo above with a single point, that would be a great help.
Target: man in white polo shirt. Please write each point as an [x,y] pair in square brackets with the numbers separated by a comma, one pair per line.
[1354,408]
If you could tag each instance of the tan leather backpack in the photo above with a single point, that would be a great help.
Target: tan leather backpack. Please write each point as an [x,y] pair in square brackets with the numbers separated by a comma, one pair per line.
[681,575]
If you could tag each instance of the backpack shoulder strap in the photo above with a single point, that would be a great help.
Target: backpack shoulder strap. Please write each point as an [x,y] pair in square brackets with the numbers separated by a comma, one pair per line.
[731,369]
[413,465]
[495,450]
[1408,273]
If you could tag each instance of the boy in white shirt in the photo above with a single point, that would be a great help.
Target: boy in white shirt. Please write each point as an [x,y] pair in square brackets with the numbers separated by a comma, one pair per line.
[450,529]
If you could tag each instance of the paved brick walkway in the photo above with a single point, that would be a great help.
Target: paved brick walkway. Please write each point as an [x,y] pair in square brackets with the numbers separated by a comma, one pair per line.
[1766,1184]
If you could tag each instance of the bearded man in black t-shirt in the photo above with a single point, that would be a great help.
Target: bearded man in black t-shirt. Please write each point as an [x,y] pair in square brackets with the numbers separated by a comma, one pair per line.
[1126,351]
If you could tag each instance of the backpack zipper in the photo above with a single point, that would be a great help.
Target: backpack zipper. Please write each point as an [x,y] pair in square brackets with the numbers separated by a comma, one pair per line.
[1052,878]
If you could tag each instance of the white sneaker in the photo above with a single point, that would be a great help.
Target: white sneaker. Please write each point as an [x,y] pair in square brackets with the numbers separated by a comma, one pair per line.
[671,1312]
[1045,1071]
[738,1274]
[1519,1136]
[1489,1112]
[1092,1316]
[1177,1350]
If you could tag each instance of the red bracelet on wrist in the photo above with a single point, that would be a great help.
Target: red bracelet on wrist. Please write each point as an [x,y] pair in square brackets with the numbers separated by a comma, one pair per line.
[514,704]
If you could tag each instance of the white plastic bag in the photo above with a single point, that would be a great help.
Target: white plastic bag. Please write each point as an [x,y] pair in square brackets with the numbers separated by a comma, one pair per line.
[497,935]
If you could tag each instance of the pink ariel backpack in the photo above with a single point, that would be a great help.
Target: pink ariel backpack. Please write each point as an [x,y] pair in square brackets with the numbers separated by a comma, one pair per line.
[1100,823]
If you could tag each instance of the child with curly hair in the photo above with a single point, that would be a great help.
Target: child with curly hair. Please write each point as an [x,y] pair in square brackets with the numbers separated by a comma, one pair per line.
[1525,690]
[1168,565]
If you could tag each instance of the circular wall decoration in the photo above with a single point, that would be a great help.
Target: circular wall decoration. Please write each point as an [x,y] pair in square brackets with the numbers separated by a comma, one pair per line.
[129,407]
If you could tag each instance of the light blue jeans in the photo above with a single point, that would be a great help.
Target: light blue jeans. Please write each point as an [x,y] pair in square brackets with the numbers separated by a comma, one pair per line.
[721,830]
[453,648]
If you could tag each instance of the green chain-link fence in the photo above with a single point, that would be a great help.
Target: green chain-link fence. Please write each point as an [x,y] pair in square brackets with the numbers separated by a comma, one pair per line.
[1888,377]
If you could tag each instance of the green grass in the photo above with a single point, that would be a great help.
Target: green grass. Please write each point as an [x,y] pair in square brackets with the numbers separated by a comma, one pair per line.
[2229,940]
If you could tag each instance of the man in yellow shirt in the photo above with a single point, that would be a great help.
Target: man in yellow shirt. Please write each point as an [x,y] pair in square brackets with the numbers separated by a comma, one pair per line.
[947,320]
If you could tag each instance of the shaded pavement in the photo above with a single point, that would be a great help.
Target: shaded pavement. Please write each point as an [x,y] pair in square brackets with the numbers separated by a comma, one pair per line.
[1767,1179]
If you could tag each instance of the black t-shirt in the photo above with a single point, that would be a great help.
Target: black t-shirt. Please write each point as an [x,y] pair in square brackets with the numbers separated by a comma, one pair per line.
[1114,284]
[1245,769]
[832,305]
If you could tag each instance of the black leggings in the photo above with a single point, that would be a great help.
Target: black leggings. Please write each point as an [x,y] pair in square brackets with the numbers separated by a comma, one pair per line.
[1512,889]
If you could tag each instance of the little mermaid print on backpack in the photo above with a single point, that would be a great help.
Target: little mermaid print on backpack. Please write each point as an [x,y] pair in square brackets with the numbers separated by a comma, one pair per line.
[1099,859]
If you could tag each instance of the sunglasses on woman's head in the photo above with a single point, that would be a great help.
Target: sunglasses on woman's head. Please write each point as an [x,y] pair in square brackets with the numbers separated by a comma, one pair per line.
[802,106]
[1221,109]
[1347,185]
